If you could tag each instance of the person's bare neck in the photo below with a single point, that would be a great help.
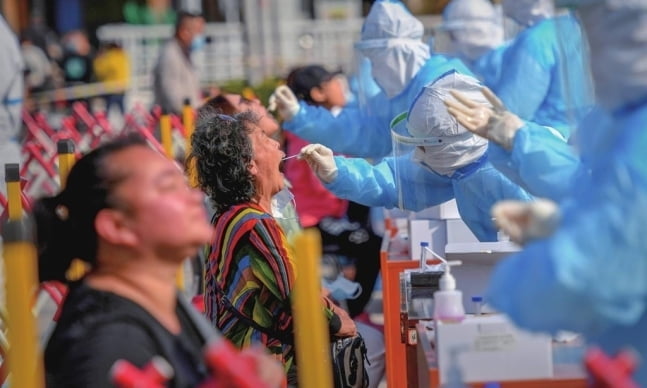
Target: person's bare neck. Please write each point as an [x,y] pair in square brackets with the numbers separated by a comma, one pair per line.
[263,198]
[150,286]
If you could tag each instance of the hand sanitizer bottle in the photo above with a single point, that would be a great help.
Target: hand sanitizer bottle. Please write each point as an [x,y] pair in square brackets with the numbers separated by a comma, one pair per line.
[448,301]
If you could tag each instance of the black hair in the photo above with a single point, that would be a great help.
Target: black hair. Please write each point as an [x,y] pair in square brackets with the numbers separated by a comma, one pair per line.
[183,17]
[301,80]
[65,222]
[222,152]
[222,104]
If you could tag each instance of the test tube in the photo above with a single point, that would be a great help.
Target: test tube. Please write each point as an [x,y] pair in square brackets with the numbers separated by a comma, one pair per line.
[478,304]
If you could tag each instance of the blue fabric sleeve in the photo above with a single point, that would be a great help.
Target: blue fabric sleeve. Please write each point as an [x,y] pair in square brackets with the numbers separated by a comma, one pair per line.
[540,161]
[375,185]
[525,77]
[592,273]
[349,133]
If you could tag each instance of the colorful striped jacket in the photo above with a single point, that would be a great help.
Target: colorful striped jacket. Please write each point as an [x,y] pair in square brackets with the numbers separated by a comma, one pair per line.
[251,263]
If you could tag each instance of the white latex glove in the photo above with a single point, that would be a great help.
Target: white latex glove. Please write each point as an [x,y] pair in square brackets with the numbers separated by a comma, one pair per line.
[526,221]
[321,161]
[495,123]
[285,101]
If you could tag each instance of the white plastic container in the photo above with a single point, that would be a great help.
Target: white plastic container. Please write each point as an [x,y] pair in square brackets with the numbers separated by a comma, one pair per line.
[448,302]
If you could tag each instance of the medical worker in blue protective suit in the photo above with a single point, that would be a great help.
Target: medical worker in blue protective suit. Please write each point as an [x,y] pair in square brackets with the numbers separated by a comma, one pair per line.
[541,78]
[401,65]
[589,274]
[535,157]
[446,162]
[475,32]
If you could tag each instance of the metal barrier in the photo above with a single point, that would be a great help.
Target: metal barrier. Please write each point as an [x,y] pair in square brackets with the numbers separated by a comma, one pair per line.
[222,58]
[231,54]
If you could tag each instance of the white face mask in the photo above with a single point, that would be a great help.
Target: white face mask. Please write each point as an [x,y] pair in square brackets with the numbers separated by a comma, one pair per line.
[395,64]
[449,157]
[283,205]
[428,118]
[476,39]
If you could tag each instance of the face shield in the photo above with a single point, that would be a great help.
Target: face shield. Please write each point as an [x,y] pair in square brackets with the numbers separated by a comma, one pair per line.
[616,33]
[569,93]
[430,137]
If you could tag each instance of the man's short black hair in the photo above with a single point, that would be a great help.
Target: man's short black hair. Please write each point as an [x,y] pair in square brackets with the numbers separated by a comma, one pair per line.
[303,79]
[183,16]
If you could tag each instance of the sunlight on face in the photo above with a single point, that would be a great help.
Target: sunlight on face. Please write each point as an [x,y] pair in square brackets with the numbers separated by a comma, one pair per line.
[167,215]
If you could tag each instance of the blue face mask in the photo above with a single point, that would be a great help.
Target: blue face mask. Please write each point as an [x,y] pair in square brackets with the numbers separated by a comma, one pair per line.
[198,42]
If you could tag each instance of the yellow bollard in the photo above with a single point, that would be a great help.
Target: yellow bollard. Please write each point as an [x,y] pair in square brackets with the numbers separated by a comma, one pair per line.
[24,358]
[248,93]
[167,143]
[66,160]
[12,177]
[165,134]
[188,120]
[310,330]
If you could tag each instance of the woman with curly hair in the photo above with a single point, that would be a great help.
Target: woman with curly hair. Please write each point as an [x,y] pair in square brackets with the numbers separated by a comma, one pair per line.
[249,272]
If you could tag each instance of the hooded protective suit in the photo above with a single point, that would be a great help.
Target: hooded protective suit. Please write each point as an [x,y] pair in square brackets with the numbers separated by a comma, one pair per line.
[400,64]
[590,276]
[541,79]
[476,33]
[447,162]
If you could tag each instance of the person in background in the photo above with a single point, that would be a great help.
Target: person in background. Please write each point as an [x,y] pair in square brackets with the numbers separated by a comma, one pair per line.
[129,213]
[583,267]
[11,98]
[149,12]
[38,68]
[249,274]
[344,226]
[543,77]
[112,68]
[175,78]
[400,63]
[77,58]
[476,35]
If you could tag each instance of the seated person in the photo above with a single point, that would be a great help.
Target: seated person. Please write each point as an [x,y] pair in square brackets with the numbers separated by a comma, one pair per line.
[345,226]
[250,270]
[128,212]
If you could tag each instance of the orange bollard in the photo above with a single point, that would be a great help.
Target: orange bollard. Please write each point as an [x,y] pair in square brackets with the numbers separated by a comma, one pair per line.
[188,121]
[165,134]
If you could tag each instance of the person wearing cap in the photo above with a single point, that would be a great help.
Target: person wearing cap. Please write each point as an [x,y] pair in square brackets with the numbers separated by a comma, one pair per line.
[344,226]
[455,166]
[476,35]
[401,65]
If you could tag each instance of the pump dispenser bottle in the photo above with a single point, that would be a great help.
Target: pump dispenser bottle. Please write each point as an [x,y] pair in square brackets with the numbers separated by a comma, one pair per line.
[448,301]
